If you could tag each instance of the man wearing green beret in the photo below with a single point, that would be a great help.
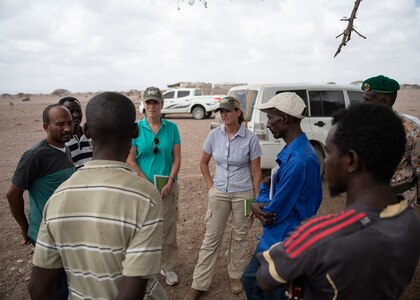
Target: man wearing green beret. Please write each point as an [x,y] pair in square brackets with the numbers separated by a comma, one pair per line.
[406,179]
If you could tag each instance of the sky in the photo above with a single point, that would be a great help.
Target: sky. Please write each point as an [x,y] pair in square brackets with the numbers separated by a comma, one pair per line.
[98,45]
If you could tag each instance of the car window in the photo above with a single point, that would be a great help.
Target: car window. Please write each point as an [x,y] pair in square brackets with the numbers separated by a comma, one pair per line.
[355,97]
[183,94]
[325,103]
[169,95]
[247,99]
[197,92]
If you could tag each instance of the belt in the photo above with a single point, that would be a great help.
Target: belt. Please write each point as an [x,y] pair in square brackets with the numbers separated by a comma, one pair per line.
[401,188]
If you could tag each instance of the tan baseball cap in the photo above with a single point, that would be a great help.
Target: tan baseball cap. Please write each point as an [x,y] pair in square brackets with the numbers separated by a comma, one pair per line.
[287,102]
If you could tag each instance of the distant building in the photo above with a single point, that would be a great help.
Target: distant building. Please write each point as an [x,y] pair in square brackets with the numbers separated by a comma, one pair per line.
[206,88]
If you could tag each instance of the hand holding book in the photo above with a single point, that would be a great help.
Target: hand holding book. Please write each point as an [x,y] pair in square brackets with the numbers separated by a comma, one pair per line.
[247,207]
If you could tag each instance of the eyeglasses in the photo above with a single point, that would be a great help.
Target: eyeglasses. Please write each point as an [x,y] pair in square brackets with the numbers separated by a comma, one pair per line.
[155,147]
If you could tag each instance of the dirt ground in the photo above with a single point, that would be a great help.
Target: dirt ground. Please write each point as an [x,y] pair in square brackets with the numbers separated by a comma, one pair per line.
[21,127]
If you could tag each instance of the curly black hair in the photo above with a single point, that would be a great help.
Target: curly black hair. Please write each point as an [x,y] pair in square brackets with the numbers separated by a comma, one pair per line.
[375,133]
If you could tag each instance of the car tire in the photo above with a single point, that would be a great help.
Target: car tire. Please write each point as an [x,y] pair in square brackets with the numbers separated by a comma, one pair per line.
[198,113]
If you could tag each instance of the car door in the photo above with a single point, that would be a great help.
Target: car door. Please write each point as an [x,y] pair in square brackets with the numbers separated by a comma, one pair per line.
[322,105]
[183,101]
[168,102]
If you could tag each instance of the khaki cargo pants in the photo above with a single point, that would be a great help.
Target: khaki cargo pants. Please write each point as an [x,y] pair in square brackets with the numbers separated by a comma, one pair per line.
[219,207]
[170,219]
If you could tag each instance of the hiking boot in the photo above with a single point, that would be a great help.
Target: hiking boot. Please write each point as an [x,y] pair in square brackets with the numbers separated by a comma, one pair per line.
[193,294]
[236,286]
[171,277]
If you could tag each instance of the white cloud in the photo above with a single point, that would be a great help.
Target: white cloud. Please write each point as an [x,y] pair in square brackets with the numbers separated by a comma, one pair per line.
[120,45]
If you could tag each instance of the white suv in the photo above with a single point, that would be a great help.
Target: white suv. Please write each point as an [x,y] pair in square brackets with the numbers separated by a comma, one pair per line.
[322,101]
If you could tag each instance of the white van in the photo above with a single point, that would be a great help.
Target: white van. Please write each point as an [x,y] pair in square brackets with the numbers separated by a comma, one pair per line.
[322,101]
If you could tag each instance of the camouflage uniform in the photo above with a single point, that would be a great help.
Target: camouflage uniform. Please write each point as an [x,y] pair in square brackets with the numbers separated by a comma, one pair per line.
[408,169]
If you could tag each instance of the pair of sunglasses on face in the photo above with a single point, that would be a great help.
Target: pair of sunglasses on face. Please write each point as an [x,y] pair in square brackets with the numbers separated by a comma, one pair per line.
[155,147]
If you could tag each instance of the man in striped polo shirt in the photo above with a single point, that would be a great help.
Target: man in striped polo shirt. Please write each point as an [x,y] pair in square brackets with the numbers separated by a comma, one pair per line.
[104,224]
[371,249]
[80,146]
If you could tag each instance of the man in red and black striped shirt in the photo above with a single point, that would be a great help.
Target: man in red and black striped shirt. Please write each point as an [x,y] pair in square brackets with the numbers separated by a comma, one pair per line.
[371,249]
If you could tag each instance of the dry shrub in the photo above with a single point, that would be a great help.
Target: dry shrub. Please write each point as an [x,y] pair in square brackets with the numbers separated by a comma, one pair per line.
[60,92]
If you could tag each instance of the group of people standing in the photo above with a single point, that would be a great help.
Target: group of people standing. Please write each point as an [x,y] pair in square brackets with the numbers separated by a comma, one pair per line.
[112,231]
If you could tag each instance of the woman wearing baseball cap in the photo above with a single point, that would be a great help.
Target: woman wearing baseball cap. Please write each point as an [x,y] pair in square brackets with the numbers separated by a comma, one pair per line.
[237,153]
[157,151]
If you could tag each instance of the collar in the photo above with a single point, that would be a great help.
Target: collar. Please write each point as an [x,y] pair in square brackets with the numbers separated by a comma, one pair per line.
[289,149]
[58,148]
[241,131]
[389,211]
[394,209]
[96,164]
[143,122]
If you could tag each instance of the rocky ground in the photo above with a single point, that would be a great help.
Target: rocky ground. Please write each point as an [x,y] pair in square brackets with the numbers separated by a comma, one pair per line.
[21,127]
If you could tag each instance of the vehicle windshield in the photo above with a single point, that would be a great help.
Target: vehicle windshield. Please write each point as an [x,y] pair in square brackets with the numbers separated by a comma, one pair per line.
[247,98]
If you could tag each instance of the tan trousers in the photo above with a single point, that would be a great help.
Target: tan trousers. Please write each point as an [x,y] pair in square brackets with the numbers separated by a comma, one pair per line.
[170,218]
[219,207]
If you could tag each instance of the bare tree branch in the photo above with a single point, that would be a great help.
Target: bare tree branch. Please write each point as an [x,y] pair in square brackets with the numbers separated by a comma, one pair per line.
[191,3]
[347,32]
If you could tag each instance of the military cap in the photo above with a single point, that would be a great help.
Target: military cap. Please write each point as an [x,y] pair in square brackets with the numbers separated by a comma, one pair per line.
[153,93]
[229,103]
[380,84]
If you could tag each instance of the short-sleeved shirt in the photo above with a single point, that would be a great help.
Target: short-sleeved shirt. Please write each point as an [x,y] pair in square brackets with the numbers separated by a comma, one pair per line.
[40,171]
[297,191]
[408,169]
[81,150]
[359,253]
[159,163]
[103,223]
[232,157]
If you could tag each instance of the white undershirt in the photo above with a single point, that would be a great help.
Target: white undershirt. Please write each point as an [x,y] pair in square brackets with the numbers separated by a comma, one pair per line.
[61,149]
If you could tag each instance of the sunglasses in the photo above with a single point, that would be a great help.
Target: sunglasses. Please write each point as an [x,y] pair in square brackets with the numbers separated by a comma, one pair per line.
[155,147]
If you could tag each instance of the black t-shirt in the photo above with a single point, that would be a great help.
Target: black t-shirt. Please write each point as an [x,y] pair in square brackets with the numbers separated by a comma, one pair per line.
[360,253]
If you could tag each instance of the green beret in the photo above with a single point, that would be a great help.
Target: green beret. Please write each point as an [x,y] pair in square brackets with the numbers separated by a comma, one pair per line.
[380,84]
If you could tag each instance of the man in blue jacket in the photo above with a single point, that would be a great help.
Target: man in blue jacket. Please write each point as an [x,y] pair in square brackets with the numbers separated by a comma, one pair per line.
[297,190]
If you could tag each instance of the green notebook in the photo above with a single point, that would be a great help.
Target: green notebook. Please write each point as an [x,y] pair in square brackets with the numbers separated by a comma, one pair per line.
[247,206]
[160,181]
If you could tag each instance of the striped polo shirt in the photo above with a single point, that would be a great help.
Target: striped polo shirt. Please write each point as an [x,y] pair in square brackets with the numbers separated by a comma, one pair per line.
[104,223]
[81,150]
